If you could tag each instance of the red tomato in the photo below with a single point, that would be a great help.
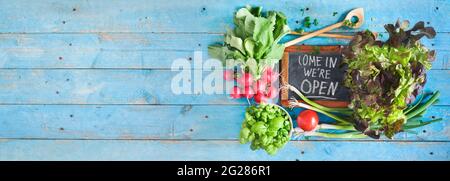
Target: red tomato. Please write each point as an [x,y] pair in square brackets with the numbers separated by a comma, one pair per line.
[248,92]
[307,120]
[245,80]
[235,92]
[228,75]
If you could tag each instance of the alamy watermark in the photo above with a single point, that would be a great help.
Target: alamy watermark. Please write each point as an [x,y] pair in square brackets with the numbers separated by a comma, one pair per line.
[199,76]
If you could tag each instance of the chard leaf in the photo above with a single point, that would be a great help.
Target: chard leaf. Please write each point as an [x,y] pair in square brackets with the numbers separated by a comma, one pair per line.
[217,52]
[281,28]
[263,35]
[239,20]
[276,52]
[249,45]
[254,38]
[242,13]
[249,26]
[256,11]
[235,42]
[252,66]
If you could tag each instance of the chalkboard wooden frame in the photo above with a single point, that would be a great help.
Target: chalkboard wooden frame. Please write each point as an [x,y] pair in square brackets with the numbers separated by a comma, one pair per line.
[284,71]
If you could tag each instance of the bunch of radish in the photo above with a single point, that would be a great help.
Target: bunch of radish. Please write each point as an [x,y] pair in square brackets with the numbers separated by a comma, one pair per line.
[261,90]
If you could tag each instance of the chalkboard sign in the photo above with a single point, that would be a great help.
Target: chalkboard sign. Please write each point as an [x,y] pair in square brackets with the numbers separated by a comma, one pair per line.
[317,72]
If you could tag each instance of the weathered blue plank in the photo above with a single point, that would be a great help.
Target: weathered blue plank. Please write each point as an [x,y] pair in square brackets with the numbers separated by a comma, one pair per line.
[217,150]
[135,34]
[199,15]
[128,50]
[97,86]
[155,122]
[111,41]
[158,41]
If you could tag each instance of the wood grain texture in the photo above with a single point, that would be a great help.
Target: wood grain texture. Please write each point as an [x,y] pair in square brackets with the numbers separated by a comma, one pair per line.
[217,150]
[84,80]
[90,86]
[200,15]
[136,50]
[175,122]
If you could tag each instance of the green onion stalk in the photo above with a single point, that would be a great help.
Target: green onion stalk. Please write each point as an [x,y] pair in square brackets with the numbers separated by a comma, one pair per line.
[412,113]
[294,103]
[418,110]
[350,135]
[336,127]
[345,111]
[351,132]
[407,110]
[317,107]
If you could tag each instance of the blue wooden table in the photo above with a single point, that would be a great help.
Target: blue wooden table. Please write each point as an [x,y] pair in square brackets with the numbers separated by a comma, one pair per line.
[90,80]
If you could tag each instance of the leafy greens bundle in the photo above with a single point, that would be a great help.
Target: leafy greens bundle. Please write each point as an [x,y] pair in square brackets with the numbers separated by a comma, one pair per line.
[266,127]
[384,77]
[253,44]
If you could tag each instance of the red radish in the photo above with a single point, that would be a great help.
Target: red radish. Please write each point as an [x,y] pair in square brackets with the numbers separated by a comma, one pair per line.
[248,92]
[235,92]
[260,98]
[269,76]
[272,92]
[228,75]
[245,80]
[259,86]
[307,120]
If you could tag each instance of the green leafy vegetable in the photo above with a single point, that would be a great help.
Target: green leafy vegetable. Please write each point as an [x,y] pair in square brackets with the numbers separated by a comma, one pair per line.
[384,77]
[253,43]
[307,22]
[299,30]
[315,22]
[266,127]
[349,23]
[418,110]
[344,127]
